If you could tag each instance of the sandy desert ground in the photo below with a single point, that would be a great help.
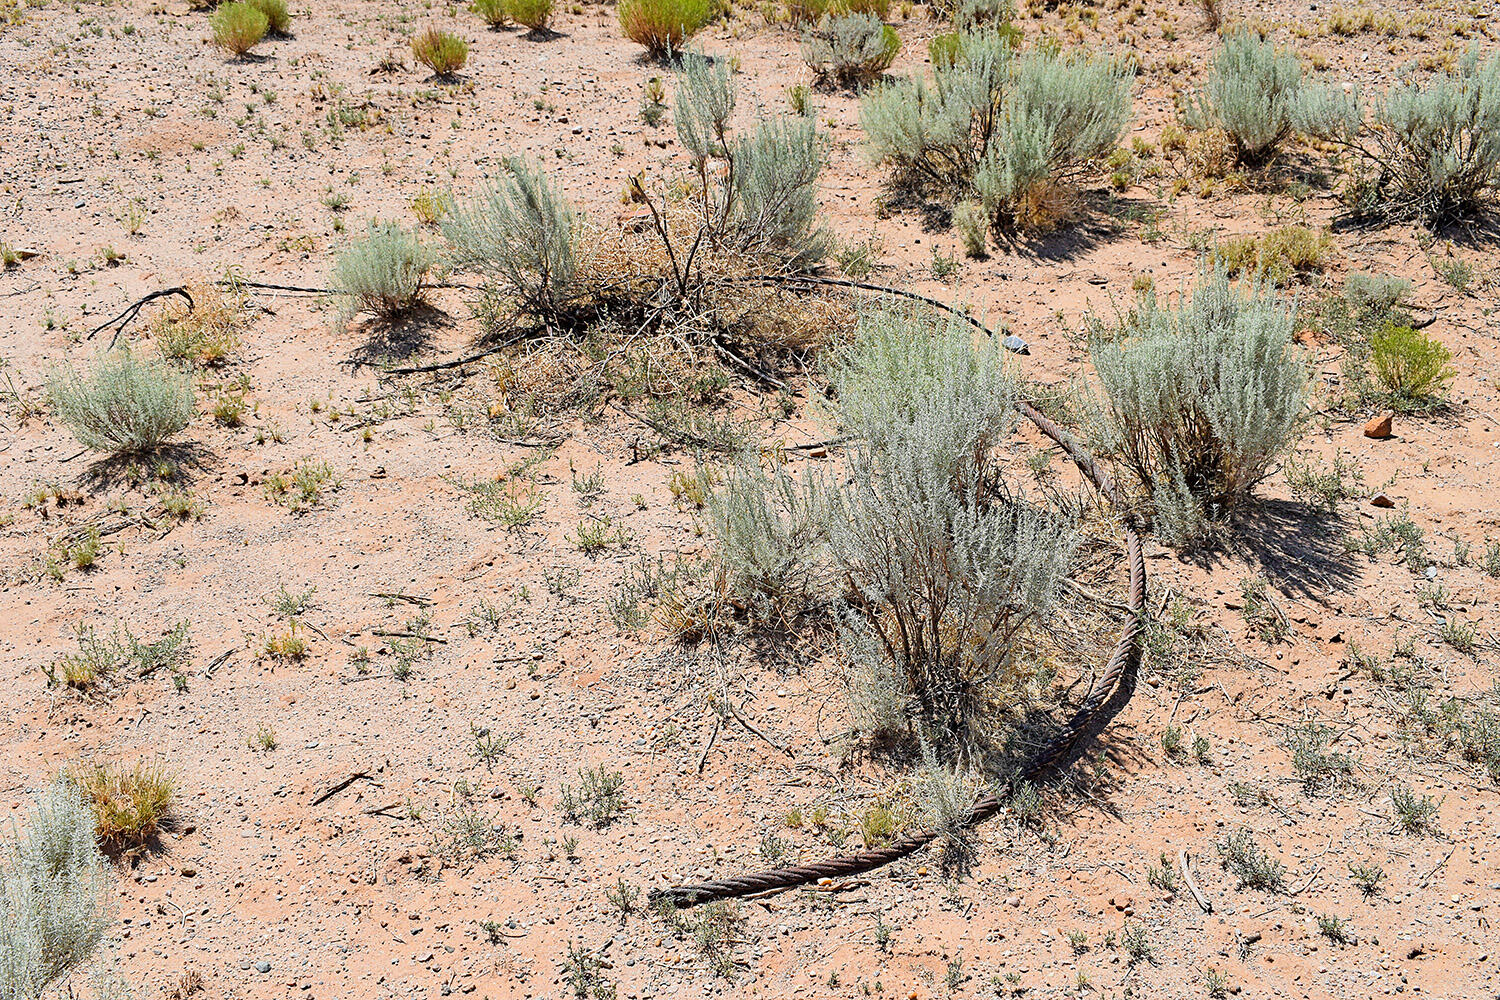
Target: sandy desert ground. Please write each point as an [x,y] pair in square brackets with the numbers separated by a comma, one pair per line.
[435,683]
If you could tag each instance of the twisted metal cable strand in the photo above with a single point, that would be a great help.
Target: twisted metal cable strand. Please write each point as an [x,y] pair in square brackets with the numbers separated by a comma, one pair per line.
[1108,696]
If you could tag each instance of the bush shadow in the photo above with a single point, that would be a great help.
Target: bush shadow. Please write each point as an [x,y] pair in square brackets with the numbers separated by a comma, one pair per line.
[1298,550]
[188,461]
[400,337]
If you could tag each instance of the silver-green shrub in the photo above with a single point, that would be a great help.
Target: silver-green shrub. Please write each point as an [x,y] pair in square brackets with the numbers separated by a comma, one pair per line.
[704,101]
[1253,93]
[384,273]
[769,529]
[124,404]
[1002,125]
[53,884]
[850,49]
[1198,400]
[764,200]
[775,182]
[1427,150]
[521,237]
[947,565]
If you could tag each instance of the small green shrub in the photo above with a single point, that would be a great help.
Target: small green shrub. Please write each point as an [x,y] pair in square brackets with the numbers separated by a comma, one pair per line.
[1250,864]
[1198,400]
[237,27]
[1411,365]
[1253,93]
[661,26]
[129,804]
[385,273]
[440,51]
[495,13]
[1281,256]
[534,14]
[1014,130]
[278,18]
[850,49]
[125,404]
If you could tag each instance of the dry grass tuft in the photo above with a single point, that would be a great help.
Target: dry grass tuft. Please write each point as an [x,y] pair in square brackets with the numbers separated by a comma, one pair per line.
[129,805]
[205,335]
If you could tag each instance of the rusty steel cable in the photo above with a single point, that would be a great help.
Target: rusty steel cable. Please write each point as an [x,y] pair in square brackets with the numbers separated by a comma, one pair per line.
[1110,693]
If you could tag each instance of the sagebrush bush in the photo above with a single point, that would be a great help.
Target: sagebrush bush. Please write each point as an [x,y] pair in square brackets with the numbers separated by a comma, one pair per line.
[764,201]
[1253,93]
[1412,366]
[769,528]
[52,890]
[278,18]
[947,565]
[661,26]
[237,27]
[1198,400]
[1014,129]
[521,236]
[534,14]
[440,51]
[1429,151]
[384,273]
[850,49]
[123,404]
[495,13]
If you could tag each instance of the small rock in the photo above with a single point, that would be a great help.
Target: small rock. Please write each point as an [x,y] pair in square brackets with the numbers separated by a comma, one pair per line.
[1015,345]
[1380,499]
[262,966]
[1380,427]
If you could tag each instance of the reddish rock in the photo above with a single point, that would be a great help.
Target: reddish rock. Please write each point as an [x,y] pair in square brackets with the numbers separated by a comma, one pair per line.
[1380,427]
[1381,500]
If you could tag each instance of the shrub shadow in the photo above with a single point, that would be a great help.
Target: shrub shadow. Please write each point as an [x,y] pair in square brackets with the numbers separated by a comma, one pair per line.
[1298,550]
[190,460]
[1099,217]
[398,338]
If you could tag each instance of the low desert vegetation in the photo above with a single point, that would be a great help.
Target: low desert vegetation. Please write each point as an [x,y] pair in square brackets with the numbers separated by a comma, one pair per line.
[533,14]
[1254,94]
[384,273]
[440,51]
[54,882]
[850,49]
[662,26]
[1413,368]
[238,27]
[1014,130]
[129,804]
[1196,401]
[123,404]
[495,13]
[278,18]
[1427,150]
[628,384]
